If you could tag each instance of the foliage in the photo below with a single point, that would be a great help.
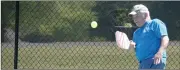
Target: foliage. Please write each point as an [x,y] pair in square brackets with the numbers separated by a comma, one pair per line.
[70,20]
[64,20]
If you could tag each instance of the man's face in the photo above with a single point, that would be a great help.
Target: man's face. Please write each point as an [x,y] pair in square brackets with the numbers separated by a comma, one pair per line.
[138,19]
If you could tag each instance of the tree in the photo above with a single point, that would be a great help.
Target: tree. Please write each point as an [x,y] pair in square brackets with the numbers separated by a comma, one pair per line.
[57,20]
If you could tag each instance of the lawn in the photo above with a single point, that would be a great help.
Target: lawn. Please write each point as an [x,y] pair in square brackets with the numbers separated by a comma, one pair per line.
[79,57]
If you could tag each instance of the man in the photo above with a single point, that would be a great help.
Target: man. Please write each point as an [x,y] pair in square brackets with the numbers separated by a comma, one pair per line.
[150,40]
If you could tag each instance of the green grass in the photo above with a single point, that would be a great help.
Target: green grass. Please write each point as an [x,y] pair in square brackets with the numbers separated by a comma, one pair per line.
[82,57]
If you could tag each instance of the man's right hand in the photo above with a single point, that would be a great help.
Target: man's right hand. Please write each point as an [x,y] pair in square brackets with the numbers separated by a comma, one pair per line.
[132,44]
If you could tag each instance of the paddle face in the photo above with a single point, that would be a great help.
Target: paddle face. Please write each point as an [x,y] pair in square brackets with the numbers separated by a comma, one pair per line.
[122,40]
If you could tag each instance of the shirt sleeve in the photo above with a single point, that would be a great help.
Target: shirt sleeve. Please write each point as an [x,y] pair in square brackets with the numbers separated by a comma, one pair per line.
[159,28]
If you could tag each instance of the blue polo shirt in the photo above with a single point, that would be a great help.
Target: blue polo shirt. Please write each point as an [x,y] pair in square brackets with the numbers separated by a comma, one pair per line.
[148,39]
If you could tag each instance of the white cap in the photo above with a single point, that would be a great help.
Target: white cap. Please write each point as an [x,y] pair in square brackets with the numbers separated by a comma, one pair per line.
[138,8]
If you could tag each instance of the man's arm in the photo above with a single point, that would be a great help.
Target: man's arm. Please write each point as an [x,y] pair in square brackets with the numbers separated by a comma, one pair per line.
[164,44]
[160,31]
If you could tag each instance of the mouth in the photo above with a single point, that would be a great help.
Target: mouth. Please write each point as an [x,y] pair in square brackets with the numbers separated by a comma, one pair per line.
[136,22]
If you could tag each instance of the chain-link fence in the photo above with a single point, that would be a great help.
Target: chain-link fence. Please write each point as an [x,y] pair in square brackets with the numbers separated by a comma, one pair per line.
[57,34]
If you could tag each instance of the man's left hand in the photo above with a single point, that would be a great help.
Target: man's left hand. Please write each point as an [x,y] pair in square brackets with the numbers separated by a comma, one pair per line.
[157,58]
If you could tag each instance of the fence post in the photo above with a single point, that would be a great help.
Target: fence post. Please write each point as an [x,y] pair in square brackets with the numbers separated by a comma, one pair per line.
[16,35]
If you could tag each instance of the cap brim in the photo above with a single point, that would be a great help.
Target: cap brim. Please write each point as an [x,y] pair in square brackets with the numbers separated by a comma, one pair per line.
[132,13]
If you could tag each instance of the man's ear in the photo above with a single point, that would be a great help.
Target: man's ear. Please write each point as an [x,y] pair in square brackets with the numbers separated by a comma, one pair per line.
[145,15]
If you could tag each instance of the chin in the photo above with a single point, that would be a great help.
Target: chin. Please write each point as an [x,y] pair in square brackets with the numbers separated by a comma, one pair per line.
[138,25]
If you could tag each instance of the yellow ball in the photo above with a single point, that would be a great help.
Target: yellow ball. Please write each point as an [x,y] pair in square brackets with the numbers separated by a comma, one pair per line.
[94,24]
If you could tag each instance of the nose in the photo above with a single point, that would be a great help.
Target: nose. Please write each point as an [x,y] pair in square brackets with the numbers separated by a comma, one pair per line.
[134,20]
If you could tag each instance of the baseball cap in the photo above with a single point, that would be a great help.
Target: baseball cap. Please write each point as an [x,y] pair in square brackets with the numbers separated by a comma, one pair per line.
[138,8]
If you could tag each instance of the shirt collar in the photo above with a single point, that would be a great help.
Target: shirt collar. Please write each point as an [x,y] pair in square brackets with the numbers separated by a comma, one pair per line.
[147,22]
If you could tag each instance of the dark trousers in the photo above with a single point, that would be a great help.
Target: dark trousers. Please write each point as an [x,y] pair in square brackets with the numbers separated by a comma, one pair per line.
[149,64]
